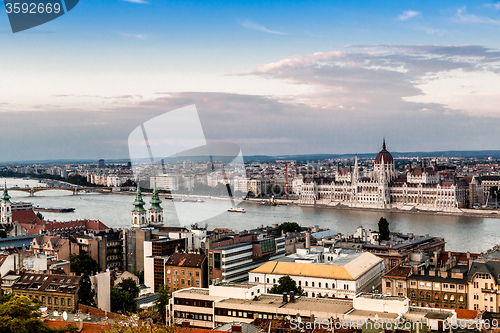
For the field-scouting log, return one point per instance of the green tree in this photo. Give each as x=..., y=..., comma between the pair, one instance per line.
x=20, y=314
x=285, y=285
x=161, y=302
x=40, y=216
x=494, y=192
x=82, y=263
x=289, y=227
x=86, y=295
x=383, y=229
x=3, y=233
x=129, y=285
x=140, y=275
x=129, y=183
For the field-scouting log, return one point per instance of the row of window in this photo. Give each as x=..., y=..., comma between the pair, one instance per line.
x=306, y=283
x=476, y=296
x=191, y=302
x=451, y=298
x=56, y=300
x=184, y=272
x=436, y=285
x=176, y=281
x=194, y=316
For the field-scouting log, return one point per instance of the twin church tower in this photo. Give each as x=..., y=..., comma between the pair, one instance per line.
x=153, y=217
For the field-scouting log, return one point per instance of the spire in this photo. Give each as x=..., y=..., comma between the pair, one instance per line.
x=5, y=196
x=155, y=200
x=383, y=144
x=138, y=203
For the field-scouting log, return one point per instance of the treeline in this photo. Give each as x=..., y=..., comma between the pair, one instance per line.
x=73, y=179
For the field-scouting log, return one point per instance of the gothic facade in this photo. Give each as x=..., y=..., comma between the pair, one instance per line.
x=418, y=188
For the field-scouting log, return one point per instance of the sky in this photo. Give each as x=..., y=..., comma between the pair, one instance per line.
x=295, y=77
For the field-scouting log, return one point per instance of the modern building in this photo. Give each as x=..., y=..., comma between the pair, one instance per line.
x=243, y=303
x=230, y=259
x=322, y=272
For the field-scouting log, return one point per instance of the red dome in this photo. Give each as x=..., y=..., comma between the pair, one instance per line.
x=385, y=155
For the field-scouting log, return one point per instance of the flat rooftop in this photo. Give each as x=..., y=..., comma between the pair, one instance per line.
x=382, y=297
x=372, y=314
x=197, y=291
x=301, y=303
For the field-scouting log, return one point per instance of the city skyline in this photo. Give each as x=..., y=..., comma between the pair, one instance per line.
x=300, y=78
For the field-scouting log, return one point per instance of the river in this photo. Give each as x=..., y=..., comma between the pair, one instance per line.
x=475, y=234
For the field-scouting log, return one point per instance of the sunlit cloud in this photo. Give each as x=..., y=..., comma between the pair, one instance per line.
x=143, y=2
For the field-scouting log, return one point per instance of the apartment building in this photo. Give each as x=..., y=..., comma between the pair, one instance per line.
x=56, y=292
x=185, y=270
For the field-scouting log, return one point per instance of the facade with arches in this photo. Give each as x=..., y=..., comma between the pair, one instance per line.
x=418, y=188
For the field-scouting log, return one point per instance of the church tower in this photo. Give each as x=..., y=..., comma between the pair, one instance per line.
x=156, y=211
x=6, y=207
x=139, y=217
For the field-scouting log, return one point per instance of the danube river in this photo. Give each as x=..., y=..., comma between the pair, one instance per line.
x=475, y=234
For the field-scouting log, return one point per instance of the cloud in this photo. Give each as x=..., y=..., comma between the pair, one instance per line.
x=255, y=26
x=465, y=17
x=408, y=14
x=137, y=1
x=138, y=36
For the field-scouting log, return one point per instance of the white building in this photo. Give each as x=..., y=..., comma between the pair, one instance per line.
x=322, y=272
x=419, y=188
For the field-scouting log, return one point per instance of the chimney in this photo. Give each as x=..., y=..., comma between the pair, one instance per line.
x=285, y=298
x=236, y=328
x=308, y=240
x=292, y=297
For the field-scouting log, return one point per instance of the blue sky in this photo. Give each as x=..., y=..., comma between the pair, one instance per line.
x=275, y=77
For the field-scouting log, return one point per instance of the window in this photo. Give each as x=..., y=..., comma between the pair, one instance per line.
x=198, y=283
x=461, y=299
x=421, y=294
x=175, y=272
x=182, y=281
x=49, y=300
x=267, y=280
x=476, y=296
x=306, y=283
x=388, y=284
x=69, y=301
x=326, y=285
x=256, y=279
x=197, y=274
x=476, y=285
x=43, y=299
x=436, y=285
x=62, y=301
x=346, y=287
x=422, y=284
x=400, y=285
x=56, y=301
x=452, y=286
x=274, y=280
x=428, y=296
x=412, y=294
x=319, y=284
x=300, y=283
x=182, y=272
x=413, y=283
x=189, y=282
x=190, y=273
x=461, y=287
x=452, y=298
x=445, y=297
x=312, y=284
x=436, y=296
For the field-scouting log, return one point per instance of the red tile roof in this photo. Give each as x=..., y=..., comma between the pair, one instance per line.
x=24, y=216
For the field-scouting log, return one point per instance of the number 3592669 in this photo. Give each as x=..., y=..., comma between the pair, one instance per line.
x=32, y=8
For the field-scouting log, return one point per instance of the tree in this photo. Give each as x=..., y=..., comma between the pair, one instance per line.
x=289, y=227
x=86, y=295
x=40, y=216
x=161, y=302
x=383, y=229
x=82, y=263
x=3, y=233
x=494, y=192
x=140, y=275
x=123, y=297
x=20, y=314
x=129, y=183
x=285, y=285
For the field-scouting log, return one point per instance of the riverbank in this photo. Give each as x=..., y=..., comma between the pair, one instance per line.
x=463, y=212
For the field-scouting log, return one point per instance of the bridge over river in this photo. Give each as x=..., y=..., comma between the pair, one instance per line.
x=73, y=189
